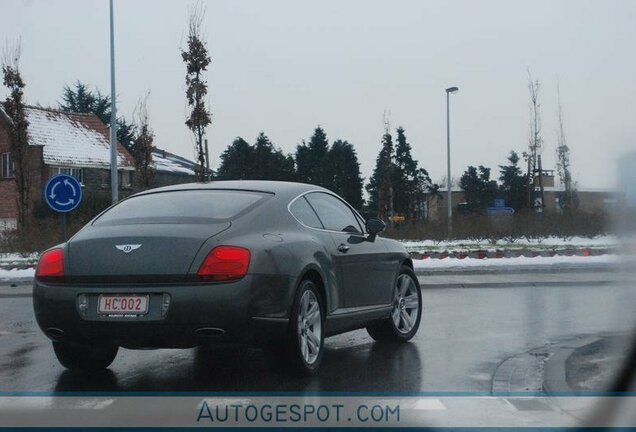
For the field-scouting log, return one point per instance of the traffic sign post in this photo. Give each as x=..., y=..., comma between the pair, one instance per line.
x=63, y=194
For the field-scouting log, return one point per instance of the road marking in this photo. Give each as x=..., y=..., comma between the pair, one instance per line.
x=429, y=405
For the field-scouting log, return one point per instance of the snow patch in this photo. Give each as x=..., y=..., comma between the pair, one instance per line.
x=67, y=141
x=543, y=243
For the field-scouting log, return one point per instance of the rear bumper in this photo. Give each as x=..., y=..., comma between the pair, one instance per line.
x=253, y=310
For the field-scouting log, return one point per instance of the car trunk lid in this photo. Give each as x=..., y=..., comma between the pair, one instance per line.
x=137, y=252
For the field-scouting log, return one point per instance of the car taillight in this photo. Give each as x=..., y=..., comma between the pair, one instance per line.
x=51, y=264
x=225, y=263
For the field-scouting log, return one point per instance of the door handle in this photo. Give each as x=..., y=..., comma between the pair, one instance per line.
x=343, y=247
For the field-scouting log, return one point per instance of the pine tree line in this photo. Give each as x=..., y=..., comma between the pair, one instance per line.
x=334, y=166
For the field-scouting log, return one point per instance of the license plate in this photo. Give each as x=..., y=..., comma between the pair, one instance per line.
x=123, y=304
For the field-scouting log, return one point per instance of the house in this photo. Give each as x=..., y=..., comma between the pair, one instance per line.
x=172, y=169
x=61, y=143
x=78, y=145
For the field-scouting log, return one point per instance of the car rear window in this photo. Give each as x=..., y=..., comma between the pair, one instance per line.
x=185, y=206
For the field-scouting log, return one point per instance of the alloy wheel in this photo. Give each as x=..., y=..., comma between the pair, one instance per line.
x=309, y=327
x=406, y=304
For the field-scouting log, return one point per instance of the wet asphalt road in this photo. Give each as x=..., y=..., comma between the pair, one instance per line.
x=466, y=333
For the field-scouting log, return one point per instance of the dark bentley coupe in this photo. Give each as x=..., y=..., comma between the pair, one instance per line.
x=274, y=264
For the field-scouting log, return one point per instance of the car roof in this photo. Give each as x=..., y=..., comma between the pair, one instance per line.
x=286, y=190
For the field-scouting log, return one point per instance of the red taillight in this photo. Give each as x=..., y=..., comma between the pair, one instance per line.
x=51, y=264
x=225, y=263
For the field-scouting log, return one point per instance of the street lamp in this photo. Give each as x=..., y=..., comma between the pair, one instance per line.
x=114, y=187
x=448, y=158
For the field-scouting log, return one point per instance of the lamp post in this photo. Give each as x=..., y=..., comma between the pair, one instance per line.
x=113, y=114
x=448, y=160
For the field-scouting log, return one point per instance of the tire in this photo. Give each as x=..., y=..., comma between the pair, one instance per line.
x=406, y=314
x=85, y=357
x=305, y=338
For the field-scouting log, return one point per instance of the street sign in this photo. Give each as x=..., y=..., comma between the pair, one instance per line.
x=63, y=193
x=496, y=211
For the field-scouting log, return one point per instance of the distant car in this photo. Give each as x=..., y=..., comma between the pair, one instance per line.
x=275, y=264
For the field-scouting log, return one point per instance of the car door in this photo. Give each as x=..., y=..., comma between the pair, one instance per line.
x=363, y=266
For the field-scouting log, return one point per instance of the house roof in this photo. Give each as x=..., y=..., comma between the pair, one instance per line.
x=171, y=163
x=73, y=139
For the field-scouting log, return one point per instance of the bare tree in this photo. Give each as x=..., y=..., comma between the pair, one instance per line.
x=535, y=145
x=143, y=143
x=197, y=60
x=18, y=125
x=567, y=199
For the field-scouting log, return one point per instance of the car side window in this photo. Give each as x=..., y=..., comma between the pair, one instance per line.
x=304, y=213
x=334, y=214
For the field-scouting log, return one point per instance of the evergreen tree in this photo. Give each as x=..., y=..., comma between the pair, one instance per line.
x=514, y=183
x=270, y=163
x=127, y=134
x=80, y=99
x=262, y=161
x=479, y=190
x=311, y=160
x=380, y=187
x=236, y=161
x=262, y=168
x=346, y=179
x=410, y=183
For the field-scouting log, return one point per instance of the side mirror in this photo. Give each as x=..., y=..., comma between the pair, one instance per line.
x=374, y=227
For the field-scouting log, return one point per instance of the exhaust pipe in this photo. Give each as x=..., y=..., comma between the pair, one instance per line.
x=54, y=333
x=209, y=332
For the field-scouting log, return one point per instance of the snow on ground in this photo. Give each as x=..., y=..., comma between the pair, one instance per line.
x=555, y=261
x=10, y=260
x=16, y=274
x=606, y=241
x=9, y=257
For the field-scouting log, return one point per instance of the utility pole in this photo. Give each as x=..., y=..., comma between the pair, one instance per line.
x=207, y=161
x=114, y=187
x=448, y=161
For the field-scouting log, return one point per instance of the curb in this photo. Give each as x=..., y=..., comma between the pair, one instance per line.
x=540, y=369
x=16, y=295
x=495, y=270
x=517, y=284
x=554, y=380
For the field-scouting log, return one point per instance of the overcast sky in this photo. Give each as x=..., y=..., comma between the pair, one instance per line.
x=283, y=67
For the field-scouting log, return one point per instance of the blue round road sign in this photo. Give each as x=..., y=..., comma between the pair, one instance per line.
x=63, y=193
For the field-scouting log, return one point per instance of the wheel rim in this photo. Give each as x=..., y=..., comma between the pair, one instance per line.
x=406, y=304
x=309, y=327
